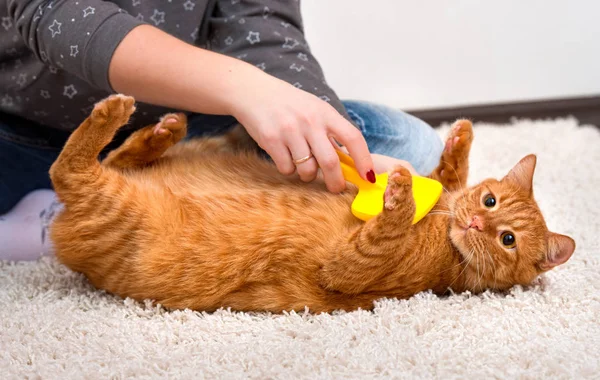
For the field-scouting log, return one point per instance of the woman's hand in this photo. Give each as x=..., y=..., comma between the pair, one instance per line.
x=291, y=124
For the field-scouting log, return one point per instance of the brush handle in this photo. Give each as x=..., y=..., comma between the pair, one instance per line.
x=349, y=170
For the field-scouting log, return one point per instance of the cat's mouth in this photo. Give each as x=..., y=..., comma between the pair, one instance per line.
x=463, y=236
x=462, y=226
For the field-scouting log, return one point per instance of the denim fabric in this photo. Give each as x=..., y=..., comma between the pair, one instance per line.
x=397, y=134
x=28, y=150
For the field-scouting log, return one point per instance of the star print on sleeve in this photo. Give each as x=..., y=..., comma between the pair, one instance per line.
x=195, y=34
x=89, y=11
x=6, y=23
x=253, y=37
x=55, y=28
x=74, y=50
x=22, y=79
x=158, y=17
x=296, y=67
x=189, y=5
x=70, y=91
x=290, y=43
x=7, y=101
x=266, y=12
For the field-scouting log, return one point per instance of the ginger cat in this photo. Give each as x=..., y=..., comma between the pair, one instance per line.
x=203, y=225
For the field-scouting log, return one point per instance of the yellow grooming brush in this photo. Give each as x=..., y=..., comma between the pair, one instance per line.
x=369, y=200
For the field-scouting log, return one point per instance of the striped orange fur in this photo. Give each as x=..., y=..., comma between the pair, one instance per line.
x=204, y=224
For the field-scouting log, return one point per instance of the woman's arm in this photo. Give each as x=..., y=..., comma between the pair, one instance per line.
x=158, y=68
x=287, y=122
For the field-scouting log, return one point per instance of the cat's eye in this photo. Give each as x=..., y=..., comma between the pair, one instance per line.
x=508, y=239
x=489, y=201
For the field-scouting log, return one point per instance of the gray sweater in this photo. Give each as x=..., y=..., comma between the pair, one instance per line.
x=55, y=55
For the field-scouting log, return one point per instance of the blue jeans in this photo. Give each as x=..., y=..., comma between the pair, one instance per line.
x=27, y=150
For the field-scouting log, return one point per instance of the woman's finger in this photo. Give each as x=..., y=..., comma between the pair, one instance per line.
x=354, y=141
x=327, y=159
x=302, y=156
x=282, y=158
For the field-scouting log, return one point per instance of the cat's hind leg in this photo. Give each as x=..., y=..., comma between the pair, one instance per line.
x=453, y=168
x=77, y=170
x=148, y=144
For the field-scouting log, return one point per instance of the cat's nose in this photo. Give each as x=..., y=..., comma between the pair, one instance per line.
x=477, y=223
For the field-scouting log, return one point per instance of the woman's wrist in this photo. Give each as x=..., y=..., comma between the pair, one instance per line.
x=248, y=88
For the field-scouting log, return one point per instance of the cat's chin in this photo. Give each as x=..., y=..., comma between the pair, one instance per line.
x=459, y=236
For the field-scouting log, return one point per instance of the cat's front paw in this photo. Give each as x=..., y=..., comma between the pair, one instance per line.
x=454, y=164
x=460, y=138
x=170, y=130
x=399, y=188
x=115, y=110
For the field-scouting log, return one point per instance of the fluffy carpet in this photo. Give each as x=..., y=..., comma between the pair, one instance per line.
x=54, y=325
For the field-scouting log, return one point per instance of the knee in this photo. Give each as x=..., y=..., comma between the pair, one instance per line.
x=377, y=119
x=395, y=133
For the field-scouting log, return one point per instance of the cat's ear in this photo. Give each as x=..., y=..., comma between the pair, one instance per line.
x=522, y=173
x=560, y=249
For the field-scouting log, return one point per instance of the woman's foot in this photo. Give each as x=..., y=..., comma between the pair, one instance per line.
x=24, y=229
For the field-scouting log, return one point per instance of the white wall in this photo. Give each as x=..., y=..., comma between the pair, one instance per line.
x=425, y=53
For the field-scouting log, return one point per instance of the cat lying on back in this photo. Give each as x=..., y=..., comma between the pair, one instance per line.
x=201, y=225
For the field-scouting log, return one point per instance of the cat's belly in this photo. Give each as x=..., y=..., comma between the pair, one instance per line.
x=208, y=237
x=251, y=191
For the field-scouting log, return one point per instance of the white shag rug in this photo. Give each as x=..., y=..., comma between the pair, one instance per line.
x=54, y=325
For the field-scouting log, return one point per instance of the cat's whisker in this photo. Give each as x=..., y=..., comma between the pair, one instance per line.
x=456, y=173
x=440, y=213
x=461, y=186
x=483, y=260
x=437, y=207
x=477, y=266
x=483, y=270
x=463, y=198
x=468, y=259
x=450, y=194
x=438, y=210
x=459, y=264
x=493, y=267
